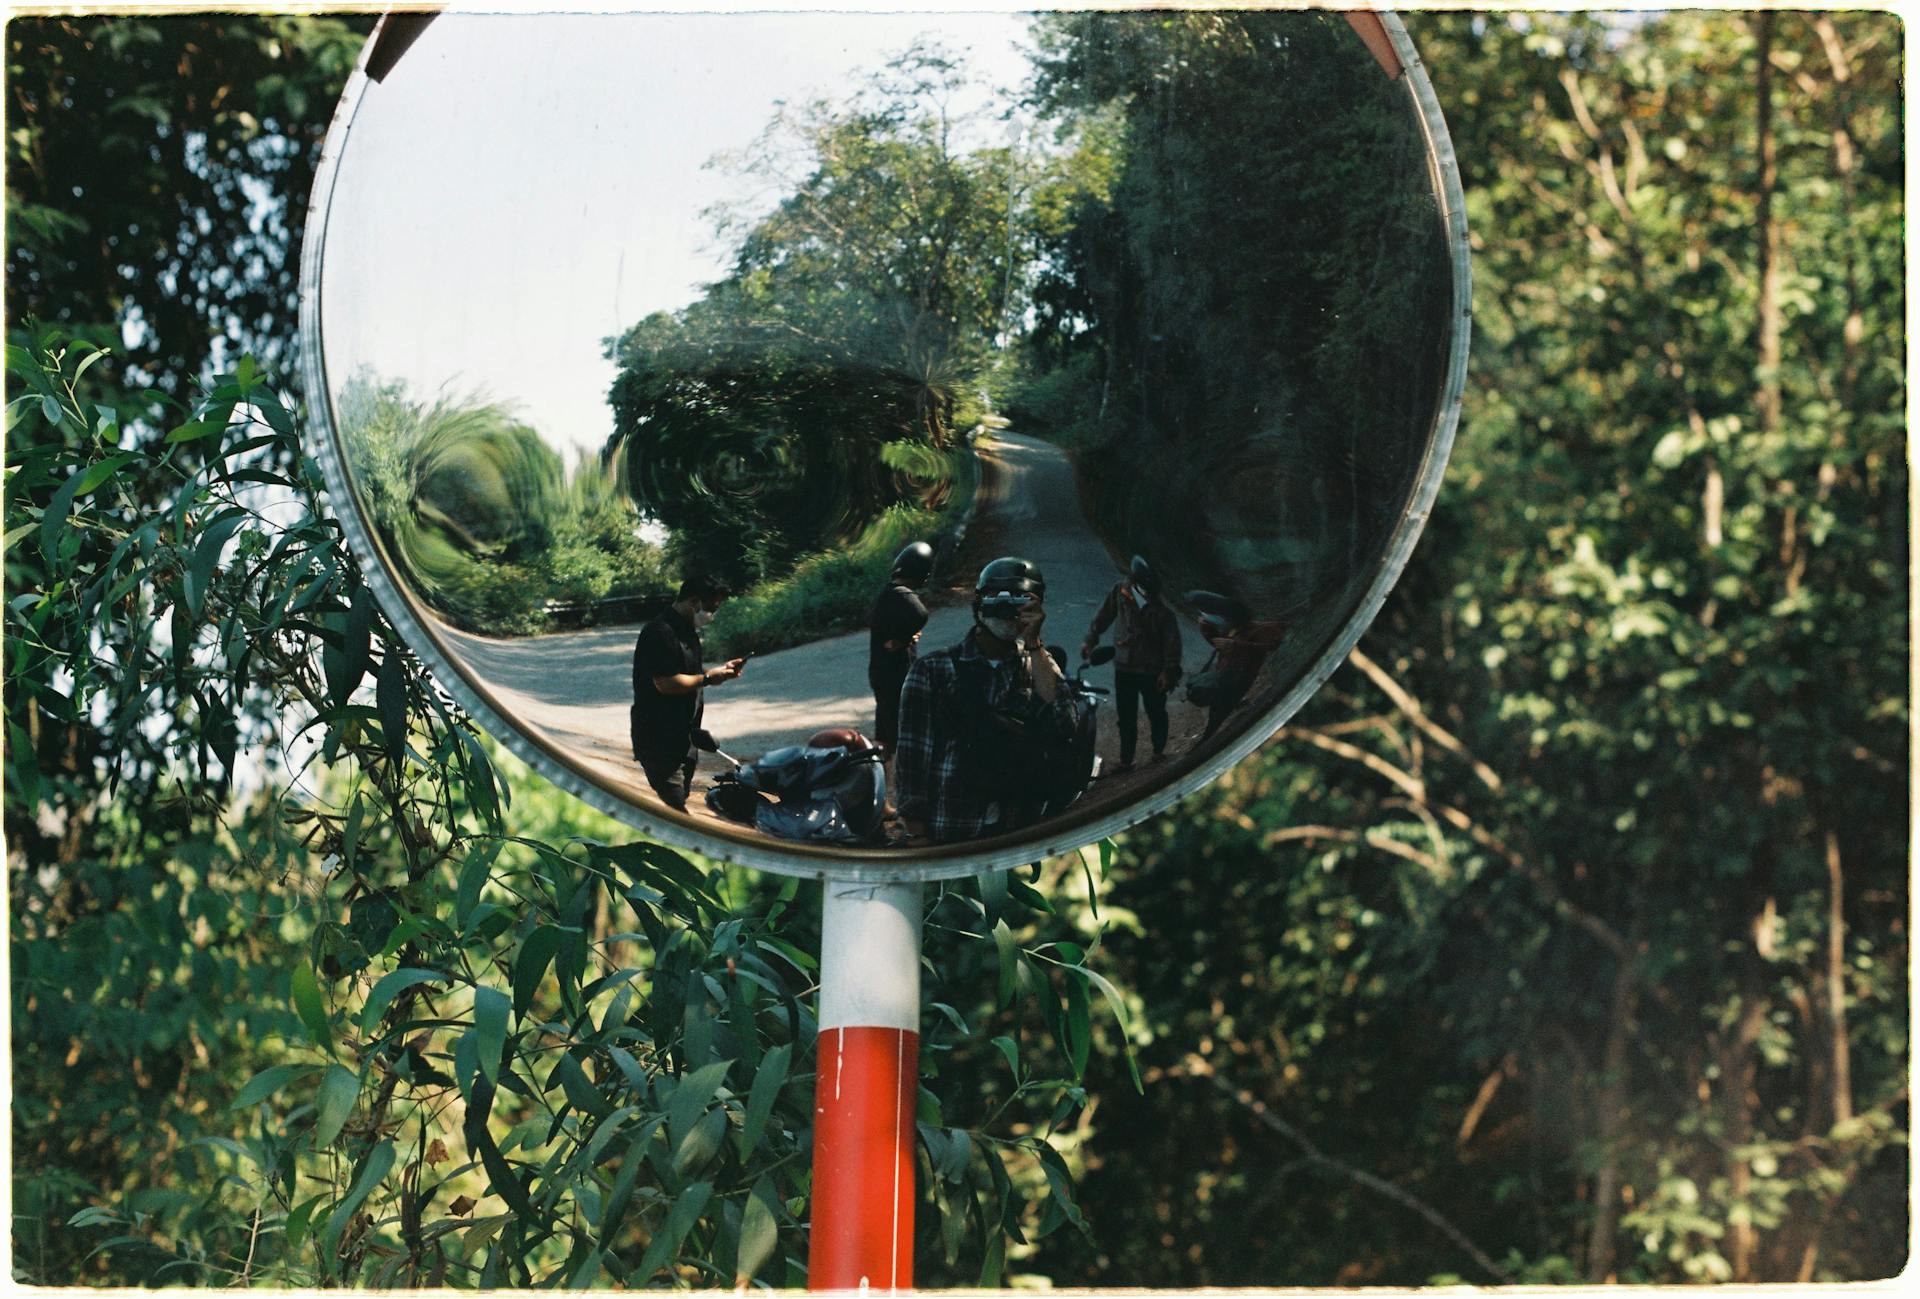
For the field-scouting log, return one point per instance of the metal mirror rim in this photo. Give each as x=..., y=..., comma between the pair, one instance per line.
x=875, y=865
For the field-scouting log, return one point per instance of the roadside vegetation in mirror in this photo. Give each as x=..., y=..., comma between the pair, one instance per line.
x=983, y=320
x=486, y=523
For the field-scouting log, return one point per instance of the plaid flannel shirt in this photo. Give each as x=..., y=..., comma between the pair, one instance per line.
x=928, y=776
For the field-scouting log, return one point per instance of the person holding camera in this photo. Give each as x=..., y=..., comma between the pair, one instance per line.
x=984, y=722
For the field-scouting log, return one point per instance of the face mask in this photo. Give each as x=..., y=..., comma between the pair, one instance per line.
x=701, y=617
x=1139, y=597
x=1004, y=628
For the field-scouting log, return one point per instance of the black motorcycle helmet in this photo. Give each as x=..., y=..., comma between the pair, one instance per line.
x=1006, y=586
x=913, y=565
x=1141, y=574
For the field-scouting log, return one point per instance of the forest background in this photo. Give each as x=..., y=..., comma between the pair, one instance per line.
x=1563, y=936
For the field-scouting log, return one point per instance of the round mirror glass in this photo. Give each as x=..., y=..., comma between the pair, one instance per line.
x=885, y=445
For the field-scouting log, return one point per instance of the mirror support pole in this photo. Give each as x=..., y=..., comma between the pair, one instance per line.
x=867, y=1088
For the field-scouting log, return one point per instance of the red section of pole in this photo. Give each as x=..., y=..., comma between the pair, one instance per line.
x=867, y=1087
x=865, y=1098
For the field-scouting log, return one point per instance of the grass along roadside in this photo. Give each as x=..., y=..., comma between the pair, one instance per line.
x=831, y=592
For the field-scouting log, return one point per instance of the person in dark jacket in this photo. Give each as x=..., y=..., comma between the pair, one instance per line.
x=895, y=625
x=1146, y=656
x=669, y=685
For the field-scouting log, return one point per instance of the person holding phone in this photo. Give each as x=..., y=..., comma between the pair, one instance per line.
x=670, y=681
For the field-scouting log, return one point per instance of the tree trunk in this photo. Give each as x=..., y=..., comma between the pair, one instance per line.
x=1736, y=1098
x=1610, y=1120
x=1737, y=1066
x=1767, y=231
x=1839, y=1057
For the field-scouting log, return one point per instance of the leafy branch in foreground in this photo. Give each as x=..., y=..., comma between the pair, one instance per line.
x=483, y=1050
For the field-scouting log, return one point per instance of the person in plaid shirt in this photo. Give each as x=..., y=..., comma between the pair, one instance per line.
x=1001, y=657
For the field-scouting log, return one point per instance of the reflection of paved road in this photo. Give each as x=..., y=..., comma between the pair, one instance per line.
x=576, y=686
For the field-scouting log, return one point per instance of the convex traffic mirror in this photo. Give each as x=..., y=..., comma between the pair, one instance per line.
x=885, y=445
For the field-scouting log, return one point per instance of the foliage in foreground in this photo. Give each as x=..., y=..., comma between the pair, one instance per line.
x=1564, y=935
x=299, y=999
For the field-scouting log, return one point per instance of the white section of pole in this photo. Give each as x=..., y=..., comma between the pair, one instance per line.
x=870, y=956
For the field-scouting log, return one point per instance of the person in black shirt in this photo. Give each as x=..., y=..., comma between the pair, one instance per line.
x=896, y=622
x=669, y=683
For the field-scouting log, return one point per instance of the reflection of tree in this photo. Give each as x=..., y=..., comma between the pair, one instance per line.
x=1248, y=325
x=479, y=514
x=855, y=318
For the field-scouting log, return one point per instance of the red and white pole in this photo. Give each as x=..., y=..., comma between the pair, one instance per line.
x=868, y=1088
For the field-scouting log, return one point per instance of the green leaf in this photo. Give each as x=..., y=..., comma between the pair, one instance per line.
x=473, y=878
x=490, y=1007
x=580, y=1091
x=194, y=430
x=701, y=1144
x=1093, y=889
x=530, y=966
x=483, y=1231
x=995, y=1261
x=927, y=1109
x=1011, y=1050
x=56, y=515
x=630, y=1070
x=298, y=1220
x=268, y=1081
x=665, y=1246
x=391, y=986
x=50, y=409
x=1119, y=1009
x=1079, y=1021
x=1060, y=1181
x=206, y=556
x=97, y=474
x=759, y=1231
x=350, y=843
x=390, y=698
x=338, y=1092
x=1026, y=893
x=312, y=1011
x=993, y=892
x=587, y=1273
x=87, y=364
x=1009, y=948
x=379, y=1163
x=690, y=1099
x=767, y=1081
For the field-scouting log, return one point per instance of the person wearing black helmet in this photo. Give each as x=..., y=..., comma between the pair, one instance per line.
x=670, y=681
x=970, y=713
x=893, y=630
x=1146, y=656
